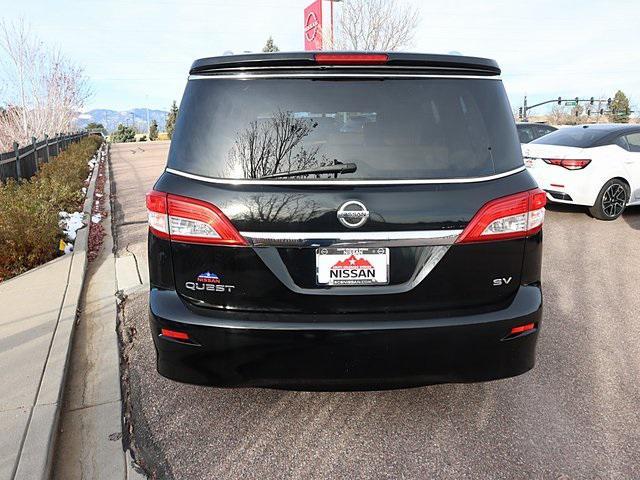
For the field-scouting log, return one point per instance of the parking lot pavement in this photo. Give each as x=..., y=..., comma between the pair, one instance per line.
x=574, y=416
x=134, y=169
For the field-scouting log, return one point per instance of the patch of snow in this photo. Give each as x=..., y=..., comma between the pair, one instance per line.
x=96, y=218
x=70, y=223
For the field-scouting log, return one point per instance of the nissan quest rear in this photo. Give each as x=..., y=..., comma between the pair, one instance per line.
x=338, y=221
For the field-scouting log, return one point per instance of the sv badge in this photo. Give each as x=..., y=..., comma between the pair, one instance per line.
x=498, y=282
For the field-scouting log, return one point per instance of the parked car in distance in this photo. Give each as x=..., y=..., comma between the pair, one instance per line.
x=287, y=250
x=527, y=132
x=593, y=165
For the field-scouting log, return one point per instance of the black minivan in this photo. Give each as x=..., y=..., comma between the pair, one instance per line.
x=340, y=221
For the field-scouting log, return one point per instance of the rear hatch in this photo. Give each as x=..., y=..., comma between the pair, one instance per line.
x=296, y=163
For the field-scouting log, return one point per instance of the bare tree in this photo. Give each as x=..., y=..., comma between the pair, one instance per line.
x=42, y=91
x=282, y=207
x=273, y=146
x=375, y=25
x=557, y=115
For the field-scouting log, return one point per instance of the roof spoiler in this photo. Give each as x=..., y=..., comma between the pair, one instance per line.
x=447, y=64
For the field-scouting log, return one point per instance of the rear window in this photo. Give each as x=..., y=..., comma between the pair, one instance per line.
x=306, y=129
x=573, y=137
x=525, y=133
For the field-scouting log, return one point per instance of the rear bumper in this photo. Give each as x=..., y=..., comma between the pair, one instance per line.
x=338, y=353
x=577, y=186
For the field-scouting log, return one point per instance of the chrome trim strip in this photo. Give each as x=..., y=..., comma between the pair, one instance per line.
x=429, y=258
x=252, y=75
x=368, y=239
x=333, y=183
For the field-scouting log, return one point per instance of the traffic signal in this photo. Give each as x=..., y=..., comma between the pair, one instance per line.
x=559, y=100
x=588, y=112
x=591, y=100
x=577, y=101
x=520, y=112
x=609, y=102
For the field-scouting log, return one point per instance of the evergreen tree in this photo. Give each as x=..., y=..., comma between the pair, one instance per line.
x=171, y=119
x=270, y=46
x=124, y=134
x=153, y=130
x=620, y=108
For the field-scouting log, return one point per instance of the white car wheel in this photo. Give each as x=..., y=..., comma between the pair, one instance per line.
x=611, y=201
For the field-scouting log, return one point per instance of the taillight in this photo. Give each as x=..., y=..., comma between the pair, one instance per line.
x=157, y=214
x=351, y=58
x=568, y=163
x=514, y=216
x=183, y=219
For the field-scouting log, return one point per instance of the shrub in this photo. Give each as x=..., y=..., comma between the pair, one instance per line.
x=29, y=231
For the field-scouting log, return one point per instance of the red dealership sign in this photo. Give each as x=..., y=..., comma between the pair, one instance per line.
x=313, y=26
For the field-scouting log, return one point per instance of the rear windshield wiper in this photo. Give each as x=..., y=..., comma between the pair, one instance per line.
x=336, y=169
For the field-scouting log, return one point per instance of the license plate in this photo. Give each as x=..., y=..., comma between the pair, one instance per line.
x=352, y=266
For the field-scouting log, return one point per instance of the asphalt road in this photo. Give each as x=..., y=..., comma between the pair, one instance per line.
x=576, y=415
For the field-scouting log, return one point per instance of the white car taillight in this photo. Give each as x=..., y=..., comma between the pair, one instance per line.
x=514, y=216
x=568, y=163
x=183, y=219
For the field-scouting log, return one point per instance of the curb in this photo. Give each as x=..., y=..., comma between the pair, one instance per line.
x=35, y=459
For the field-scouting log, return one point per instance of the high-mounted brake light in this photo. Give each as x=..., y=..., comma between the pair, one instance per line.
x=187, y=220
x=568, y=163
x=514, y=216
x=351, y=58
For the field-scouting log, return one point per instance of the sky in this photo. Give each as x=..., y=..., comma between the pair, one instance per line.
x=137, y=53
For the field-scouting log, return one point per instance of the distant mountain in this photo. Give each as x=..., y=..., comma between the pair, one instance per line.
x=111, y=118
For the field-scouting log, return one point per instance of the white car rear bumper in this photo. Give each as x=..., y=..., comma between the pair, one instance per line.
x=568, y=186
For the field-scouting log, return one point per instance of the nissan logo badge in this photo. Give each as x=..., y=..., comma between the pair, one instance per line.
x=353, y=214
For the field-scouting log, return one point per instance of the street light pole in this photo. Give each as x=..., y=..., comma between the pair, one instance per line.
x=148, y=125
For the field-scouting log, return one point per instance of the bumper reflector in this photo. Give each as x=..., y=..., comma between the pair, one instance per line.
x=165, y=332
x=522, y=328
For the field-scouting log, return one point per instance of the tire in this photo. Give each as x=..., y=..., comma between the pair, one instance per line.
x=611, y=201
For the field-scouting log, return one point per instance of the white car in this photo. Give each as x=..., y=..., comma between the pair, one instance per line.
x=593, y=165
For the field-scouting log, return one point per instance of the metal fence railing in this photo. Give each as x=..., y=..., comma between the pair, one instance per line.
x=23, y=162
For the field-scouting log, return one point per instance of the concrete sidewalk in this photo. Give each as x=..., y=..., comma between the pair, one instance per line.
x=37, y=319
x=38, y=315
x=32, y=308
